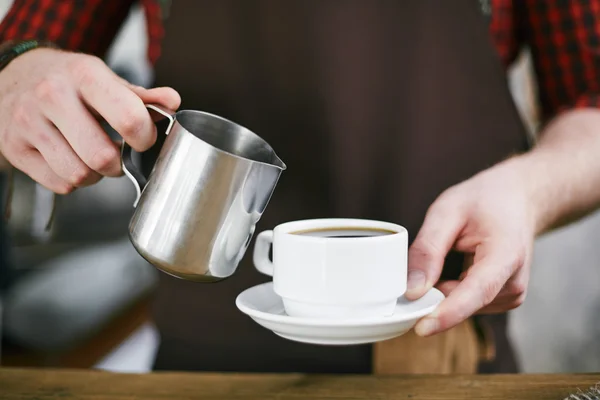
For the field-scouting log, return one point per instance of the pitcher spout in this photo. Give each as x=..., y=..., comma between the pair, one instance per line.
x=278, y=162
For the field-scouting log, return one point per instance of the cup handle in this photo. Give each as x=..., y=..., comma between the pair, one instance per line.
x=135, y=176
x=261, y=253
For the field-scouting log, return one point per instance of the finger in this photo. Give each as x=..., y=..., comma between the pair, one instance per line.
x=447, y=287
x=59, y=155
x=84, y=134
x=499, y=307
x=510, y=296
x=502, y=302
x=443, y=223
x=125, y=112
x=515, y=288
x=166, y=97
x=479, y=288
x=35, y=166
x=156, y=96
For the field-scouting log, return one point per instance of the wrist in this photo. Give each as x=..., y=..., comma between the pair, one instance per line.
x=550, y=189
x=11, y=50
x=531, y=180
x=562, y=170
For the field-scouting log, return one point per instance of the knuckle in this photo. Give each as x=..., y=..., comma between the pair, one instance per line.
x=438, y=207
x=517, y=288
x=448, y=196
x=50, y=89
x=22, y=115
x=10, y=135
x=79, y=176
x=64, y=189
x=84, y=68
x=450, y=201
x=16, y=155
x=131, y=125
x=518, y=260
x=489, y=291
x=44, y=137
x=424, y=247
x=13, y=157
x=52, y=182
x=518, y=302
x=443, y=208
x=449, y=321
x=104, y=159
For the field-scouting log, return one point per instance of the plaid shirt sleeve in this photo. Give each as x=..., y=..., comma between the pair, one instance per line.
x=563, y=35
x=87, y=26
x=564, y=38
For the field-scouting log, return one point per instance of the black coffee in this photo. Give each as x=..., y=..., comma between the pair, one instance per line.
x=345, y=232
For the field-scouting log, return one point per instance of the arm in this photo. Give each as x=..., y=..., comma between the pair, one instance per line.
x=51, y=100
x=86, y=26
x=563, y=170
x=495, y=216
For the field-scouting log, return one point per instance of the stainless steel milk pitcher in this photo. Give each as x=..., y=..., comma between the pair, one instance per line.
x=196, y=213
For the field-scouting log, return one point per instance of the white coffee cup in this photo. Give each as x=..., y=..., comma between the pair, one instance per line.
x=319, y=276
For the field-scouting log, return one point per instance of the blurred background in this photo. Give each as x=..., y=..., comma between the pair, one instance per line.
x=81, y=300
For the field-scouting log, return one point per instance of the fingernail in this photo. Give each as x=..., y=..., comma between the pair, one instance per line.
x=416, y=280
x=427, y=326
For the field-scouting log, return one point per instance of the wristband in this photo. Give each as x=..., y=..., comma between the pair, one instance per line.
x=11, y=50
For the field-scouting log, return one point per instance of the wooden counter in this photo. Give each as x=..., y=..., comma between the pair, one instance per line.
x=38, y=384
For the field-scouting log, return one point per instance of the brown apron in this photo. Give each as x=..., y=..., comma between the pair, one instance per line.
x=376, y=107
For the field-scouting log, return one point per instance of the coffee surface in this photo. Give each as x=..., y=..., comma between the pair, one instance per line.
x=345, y=232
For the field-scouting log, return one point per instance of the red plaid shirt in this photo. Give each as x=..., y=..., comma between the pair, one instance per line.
x=563, y=35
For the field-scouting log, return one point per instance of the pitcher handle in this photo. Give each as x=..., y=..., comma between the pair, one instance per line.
x=135, y=176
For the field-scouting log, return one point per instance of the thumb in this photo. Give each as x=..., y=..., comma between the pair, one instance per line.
x=443, y=222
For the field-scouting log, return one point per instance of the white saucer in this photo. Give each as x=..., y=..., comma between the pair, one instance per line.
x=266, y=308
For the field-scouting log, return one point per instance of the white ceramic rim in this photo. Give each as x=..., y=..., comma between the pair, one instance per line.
x=289, y=228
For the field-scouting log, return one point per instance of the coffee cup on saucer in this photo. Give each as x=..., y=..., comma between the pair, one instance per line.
x=335, y=268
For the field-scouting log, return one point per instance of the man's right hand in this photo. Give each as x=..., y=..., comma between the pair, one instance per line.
x=50, y=105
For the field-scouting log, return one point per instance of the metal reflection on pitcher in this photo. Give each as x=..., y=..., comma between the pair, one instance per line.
x=196, y=213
